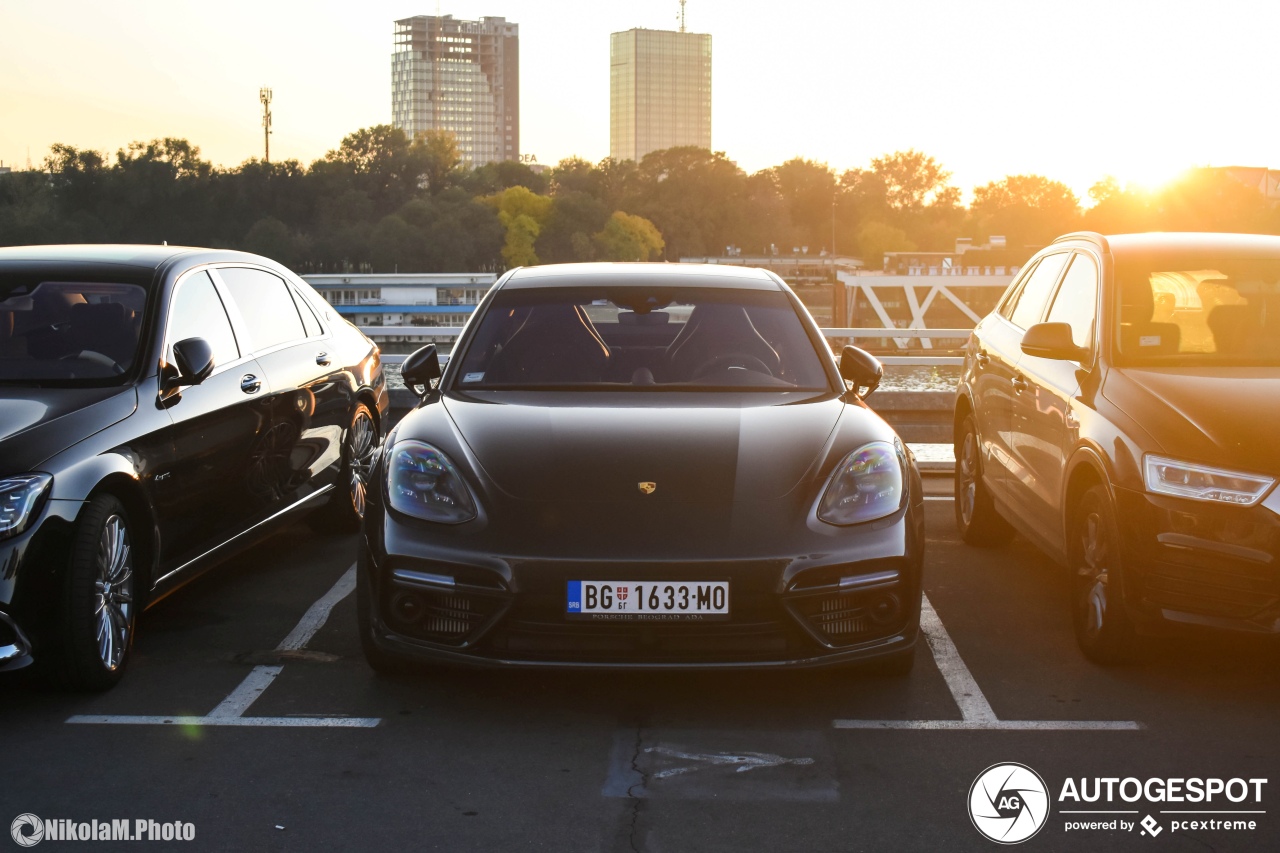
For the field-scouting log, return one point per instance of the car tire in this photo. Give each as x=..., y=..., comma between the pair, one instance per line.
x=98, y=611
x=381, y=662
x=976, y=517
x=1103, y=628
x=345, y=510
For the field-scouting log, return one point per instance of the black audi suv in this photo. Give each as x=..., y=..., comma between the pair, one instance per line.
x=637, y=465
x=1118, y=408
x=160, y=408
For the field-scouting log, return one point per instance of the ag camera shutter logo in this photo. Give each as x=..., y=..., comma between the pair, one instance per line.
x=27, y=830
x=1008, y=803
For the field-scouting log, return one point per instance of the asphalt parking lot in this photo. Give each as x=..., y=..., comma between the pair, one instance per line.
x=250, y=714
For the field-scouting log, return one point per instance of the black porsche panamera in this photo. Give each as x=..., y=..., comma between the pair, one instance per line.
x=640, y=465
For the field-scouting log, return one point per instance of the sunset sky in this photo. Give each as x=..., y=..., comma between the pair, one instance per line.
x=1135, y=89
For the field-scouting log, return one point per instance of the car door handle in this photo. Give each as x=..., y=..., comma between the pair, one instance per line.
x=322, y=359
x=1019, y=384
x=250, y=384
x=982, y=358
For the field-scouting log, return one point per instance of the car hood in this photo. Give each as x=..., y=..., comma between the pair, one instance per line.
x=589, y=450
x=1222, y=416
x=37, y=423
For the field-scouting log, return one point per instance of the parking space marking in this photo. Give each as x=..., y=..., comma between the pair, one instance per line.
x=230, y=711
x=249, y=690
x=939, y=497
x=976, y=713
x=711, y=764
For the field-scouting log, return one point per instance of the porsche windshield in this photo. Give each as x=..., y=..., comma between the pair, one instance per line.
x=1200, y=309
x=67, y=332
x=641, y=338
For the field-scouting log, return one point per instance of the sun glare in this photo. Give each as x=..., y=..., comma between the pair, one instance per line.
x=1151, y=175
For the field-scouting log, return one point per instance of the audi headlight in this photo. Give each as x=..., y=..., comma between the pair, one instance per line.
x=867, y=484
x=19, y=497
x=1201, y=483
x=422, y=482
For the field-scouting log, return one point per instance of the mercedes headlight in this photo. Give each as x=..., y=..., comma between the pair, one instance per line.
x=19, y=497
x=1166, y=476
x=868, y=484
x=422, y=482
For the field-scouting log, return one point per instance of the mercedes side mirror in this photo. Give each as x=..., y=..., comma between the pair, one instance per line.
x=1052, y=340
x=861, y=368
x=421, y=368
x=194, y=358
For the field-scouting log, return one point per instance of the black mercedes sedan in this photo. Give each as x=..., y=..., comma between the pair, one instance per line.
x=160, y=408
x=642, y=465
x=1119, y=409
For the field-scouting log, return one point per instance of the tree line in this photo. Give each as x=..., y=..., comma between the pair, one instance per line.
x=381, y=202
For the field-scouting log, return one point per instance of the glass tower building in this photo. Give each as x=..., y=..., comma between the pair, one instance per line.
x=459, y=76
x=659, y=91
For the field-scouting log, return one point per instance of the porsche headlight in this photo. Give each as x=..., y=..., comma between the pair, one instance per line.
x=867, y=484
x=422, y=482
x=1166, y=476
x=19, y=497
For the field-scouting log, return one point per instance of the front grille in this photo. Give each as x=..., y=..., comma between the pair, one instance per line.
x=626, y=643
x=843, y=618
x=1232, y=589
x=757, y=630
x=452, y=618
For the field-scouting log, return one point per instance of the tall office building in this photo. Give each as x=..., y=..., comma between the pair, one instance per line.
x=659, y=91
x=459, y=76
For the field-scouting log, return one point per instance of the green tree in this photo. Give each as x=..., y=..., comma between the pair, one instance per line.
x=629, y=238
x=434, y=156
x=271, y=238
x=876, y=238
x=807, y=189
x=566, y=236
x=522, y=213
x=1027, y=209
x=911, y=179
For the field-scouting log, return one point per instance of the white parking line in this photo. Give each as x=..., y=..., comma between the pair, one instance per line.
x=249, y=690
x=976, y=713
x=230, y=711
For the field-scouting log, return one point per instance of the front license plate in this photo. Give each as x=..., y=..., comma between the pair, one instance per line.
x=639, y=601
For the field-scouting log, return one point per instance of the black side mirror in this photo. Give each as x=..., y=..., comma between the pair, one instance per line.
x=1052, y=340
x=194, y=358
x=861, y=368
x=421, y=368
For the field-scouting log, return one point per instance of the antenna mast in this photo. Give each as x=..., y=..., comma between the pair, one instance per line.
x=264, y=95
x=682, y=2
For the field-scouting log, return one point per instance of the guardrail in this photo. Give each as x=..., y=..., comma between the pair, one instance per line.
x=920, y=417
x=858, y=333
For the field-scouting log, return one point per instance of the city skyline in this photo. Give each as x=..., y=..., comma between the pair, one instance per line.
x=817, y=80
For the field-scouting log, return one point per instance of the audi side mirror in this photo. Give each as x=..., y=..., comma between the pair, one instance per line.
x=421, y=368
x=861, y=368
x=1052, y=340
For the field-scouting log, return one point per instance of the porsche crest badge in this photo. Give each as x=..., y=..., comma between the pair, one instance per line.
x=647, y=488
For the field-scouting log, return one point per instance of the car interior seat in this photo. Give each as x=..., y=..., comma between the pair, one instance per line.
x=713, y=331
x=1139, y=336
x=556, y=343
